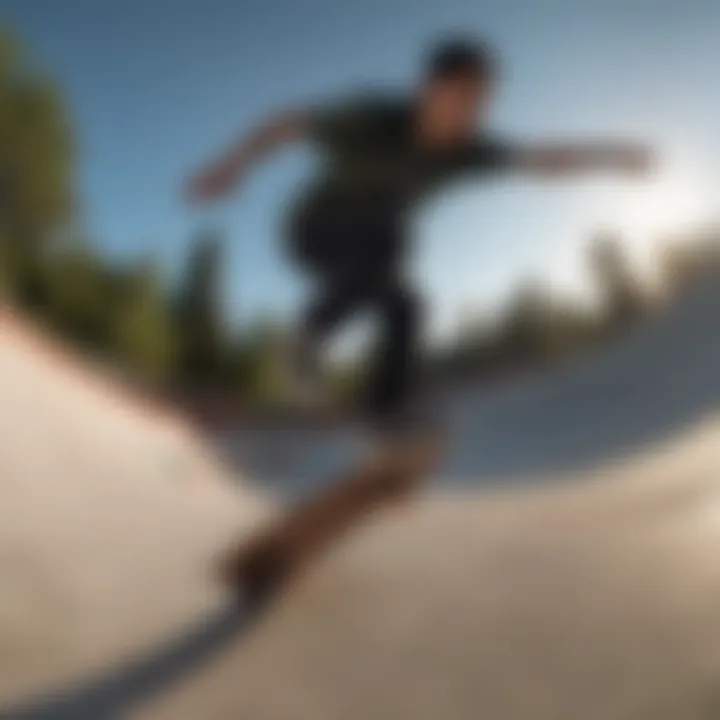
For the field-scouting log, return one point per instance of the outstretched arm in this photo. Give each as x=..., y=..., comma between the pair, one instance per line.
x=219, y=177
x=572, y=158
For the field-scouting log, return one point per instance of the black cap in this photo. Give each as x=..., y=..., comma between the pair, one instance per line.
x=460, y=57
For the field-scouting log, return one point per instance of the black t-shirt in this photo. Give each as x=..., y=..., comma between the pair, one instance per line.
x=370, y=153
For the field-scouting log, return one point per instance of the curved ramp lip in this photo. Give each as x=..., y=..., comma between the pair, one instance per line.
x=53, y=351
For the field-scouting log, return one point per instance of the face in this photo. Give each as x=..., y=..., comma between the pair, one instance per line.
x=452, y=109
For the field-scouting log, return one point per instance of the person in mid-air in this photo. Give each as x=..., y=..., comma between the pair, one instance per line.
x=383, y=154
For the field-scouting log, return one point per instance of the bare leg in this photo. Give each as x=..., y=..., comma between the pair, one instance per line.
x=266, y=564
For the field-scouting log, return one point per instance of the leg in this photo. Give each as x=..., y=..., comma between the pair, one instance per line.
x=346, y=287
x=265, y=565
x=339, y=298
x=394, y=375
x=335, y=303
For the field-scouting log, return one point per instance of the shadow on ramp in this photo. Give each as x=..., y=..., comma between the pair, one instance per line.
x=115, y=694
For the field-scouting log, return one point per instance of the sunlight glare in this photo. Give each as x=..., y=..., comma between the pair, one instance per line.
x=668, y=205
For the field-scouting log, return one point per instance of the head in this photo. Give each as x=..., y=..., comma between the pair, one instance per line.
x=456, y=90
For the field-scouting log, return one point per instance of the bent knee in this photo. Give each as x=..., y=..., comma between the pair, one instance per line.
x=404, y=307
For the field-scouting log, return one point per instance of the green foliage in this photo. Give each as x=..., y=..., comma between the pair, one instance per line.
x=143, y=336
x=523, y=335
x=201, y=339
x=346, y=379
x=79, y=298
x=7, y=273
x=254, y=364
x=36, y=169
x=36, y=157
x=621, y=293
x=687, y=259
x=569, y=330
x=535, y=328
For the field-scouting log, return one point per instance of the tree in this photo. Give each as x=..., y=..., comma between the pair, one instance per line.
x=621, y=294
x=78, y=294
x=254, y=367
x=143, y=338
x=569, y=328
x=6, y=271
x=688, y=258
x=199, y=319
x=524, y=329
x=36, y=165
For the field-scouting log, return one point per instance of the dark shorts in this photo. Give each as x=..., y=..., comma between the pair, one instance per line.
x=354, y=251
x=337, y=236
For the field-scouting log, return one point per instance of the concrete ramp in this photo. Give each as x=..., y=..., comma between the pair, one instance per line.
x=628, y=398
x=597, y=601
x=110, y=512
x=597, y=597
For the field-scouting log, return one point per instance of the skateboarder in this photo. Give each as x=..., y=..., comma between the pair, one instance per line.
x=382, y=155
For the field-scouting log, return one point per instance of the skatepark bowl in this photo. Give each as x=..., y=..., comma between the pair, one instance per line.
x=562, y=563
x=627, y=398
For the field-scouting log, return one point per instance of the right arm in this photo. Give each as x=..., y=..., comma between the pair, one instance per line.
x=559, y=159
x=562, y=159
x=220, y=176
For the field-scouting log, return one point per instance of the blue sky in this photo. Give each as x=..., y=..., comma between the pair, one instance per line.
x=155, y=86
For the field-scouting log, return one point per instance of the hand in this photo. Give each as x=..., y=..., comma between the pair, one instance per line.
x=213, y=182
x=636, y=160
